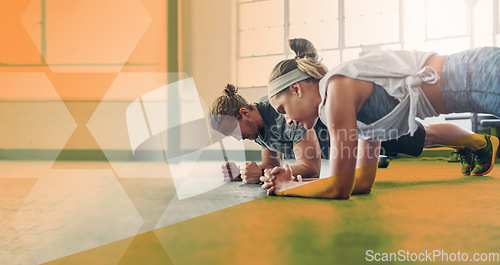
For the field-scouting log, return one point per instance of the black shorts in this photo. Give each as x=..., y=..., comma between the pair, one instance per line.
x=406, y=144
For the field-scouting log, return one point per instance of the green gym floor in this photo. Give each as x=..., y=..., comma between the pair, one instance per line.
x=415, y=206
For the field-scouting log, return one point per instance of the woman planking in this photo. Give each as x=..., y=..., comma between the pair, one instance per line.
x=406, y=84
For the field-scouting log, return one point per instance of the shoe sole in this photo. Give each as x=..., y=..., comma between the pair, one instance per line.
x=494, y=143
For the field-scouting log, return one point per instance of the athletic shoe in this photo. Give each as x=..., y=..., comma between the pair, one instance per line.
x=466, y=158
x=383, y=161
x=485, y=158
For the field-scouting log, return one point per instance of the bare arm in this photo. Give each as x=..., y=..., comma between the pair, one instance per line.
x=367, y=163
x=341, y=108
x=341, y=104
x=270, y=159
x=308, y=156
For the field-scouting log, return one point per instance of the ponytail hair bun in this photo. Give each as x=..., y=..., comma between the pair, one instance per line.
x=306, y=60
x=228, y=104
x=303, y=49
x=230, y=90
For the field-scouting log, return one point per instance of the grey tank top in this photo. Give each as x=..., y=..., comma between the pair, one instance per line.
x=379, y=104
x=400, y=74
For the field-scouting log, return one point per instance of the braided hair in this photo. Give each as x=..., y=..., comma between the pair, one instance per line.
x=228, y=104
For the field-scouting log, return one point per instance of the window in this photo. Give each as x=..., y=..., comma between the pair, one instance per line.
x=342, y=29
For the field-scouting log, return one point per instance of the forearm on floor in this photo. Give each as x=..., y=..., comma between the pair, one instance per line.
x=330, y=187
x=264, y=165
x=326, y=188
x=305, y=171
x=364, y=178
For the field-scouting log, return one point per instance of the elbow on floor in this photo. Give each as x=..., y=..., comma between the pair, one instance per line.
x=342, y=194
x=365, y=190
x=314, y=173
x=311, y=172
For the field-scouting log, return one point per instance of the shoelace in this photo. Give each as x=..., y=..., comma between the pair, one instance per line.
x=481, y=156
x=463, y=156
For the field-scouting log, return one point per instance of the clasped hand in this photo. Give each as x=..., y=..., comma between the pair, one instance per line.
x=277, y=180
